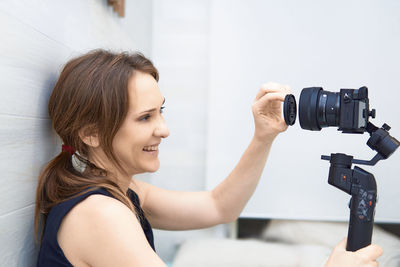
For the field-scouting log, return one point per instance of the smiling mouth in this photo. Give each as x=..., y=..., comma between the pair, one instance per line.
x=150, y=148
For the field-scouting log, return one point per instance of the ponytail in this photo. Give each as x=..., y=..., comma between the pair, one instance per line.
x=45, y=193
x=60, y=181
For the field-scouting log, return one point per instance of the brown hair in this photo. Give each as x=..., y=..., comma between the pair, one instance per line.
x=91, y=93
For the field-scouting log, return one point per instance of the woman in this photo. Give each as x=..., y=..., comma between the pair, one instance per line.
x=107, y=109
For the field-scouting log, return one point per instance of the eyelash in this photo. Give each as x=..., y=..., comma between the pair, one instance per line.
x=147, y=116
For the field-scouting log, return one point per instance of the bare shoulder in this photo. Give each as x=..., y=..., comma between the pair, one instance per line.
x=97, y=206
x=102, y=231
x=97, y=210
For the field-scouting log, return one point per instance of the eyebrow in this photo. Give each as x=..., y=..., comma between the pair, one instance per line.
x=151, y=110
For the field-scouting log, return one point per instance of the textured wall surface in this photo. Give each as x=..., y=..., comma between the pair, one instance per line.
x=37, y=38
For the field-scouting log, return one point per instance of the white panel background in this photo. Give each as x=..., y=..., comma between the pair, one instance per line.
x=333, y=44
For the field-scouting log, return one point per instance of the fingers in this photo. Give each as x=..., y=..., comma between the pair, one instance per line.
x=371, y=252
x=365, y=257
x=272, y=87
x=272, y=97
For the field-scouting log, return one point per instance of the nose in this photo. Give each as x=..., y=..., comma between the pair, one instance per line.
x=161, y=129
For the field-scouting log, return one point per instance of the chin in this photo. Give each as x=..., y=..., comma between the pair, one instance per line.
x=153, y=167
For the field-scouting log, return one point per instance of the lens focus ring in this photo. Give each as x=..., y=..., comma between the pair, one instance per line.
x=308, y=108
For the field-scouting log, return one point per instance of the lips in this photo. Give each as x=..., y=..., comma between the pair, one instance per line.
x=151, y=148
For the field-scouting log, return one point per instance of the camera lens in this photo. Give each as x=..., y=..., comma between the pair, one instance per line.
x=318, y=108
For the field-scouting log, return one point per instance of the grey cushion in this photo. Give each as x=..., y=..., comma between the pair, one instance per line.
x=284, y=243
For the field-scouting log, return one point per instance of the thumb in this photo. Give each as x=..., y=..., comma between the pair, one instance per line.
x=371, y=252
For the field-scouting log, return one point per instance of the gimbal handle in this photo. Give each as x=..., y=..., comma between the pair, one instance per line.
x=362, y=209
x=361, y=185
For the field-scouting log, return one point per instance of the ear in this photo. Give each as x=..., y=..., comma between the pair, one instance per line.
x=89, y=136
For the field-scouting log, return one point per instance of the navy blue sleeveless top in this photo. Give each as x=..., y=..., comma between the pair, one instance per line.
x=51, y=254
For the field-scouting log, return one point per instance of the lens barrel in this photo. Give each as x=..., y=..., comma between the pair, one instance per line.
x=308, y=108
x=318, y=108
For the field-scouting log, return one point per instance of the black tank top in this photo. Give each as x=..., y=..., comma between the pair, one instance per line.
x=51, y=254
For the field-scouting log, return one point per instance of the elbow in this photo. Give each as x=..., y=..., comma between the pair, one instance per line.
x=229, y=218
x=224, y=213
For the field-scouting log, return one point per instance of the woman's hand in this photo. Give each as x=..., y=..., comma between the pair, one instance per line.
x=267, y=111
x=365, y=257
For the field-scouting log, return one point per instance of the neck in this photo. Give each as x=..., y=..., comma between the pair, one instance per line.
x=123, y=181
x=121, y=178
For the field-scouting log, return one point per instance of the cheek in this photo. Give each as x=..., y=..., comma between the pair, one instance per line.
x=132, y=137
x=122, y=142
x=129, y=142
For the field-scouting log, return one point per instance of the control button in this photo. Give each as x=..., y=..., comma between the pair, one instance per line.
x=386, y=127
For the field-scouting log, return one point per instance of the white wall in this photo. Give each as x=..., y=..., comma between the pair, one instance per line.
x=333, y=44
x=37, y=38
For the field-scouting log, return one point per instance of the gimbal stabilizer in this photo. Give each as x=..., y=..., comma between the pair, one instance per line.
x=349, y=110
x=360, y=184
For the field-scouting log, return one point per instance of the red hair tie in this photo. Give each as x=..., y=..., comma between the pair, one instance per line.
x=68, y=149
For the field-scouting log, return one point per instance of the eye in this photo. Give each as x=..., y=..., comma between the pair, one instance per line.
x=145, y=117
x=162, y=109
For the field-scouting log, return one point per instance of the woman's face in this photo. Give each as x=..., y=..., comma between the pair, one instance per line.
x=136, y=142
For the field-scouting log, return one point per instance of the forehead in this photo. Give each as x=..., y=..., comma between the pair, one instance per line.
x=144, y=93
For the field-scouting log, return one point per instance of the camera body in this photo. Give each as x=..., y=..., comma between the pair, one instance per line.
x=348, y=109
x=354, y=110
